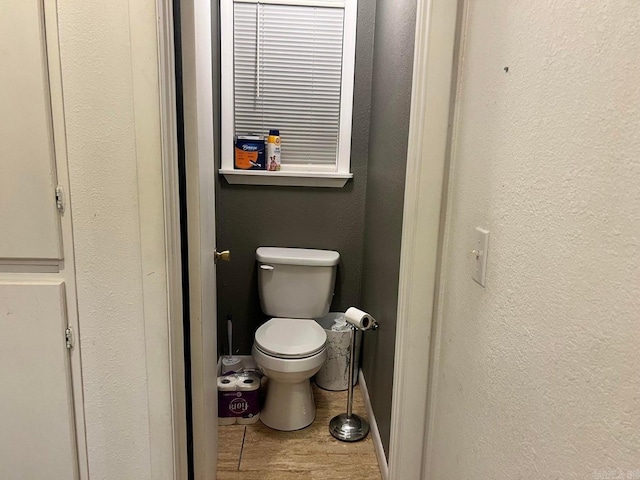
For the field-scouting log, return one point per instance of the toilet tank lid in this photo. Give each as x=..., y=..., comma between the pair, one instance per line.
x=297, y=256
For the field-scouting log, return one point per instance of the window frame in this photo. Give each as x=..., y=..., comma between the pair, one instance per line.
x=293, y=175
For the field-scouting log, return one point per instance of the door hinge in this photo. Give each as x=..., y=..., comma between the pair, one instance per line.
x=68, y=336
x=60, y=199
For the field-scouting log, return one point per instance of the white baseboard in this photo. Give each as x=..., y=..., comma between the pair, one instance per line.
x=375, y=433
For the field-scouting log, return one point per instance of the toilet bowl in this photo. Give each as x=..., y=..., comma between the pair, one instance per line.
x=289, y=352
x=295, y=285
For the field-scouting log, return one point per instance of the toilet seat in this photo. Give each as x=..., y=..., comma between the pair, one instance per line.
x=290, y=338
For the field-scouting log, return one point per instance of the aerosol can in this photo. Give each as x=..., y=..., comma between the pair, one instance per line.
x=273, y=151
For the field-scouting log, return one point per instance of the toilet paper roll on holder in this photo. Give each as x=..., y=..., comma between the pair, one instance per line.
x=349, y=427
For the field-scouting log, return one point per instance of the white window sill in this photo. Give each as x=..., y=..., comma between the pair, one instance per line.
x=286, y=178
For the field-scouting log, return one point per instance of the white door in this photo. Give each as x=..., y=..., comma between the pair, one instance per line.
x=29, y=223
x=37, y=439
x=196, y=28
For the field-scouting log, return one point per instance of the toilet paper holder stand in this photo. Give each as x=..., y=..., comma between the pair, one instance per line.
x=349, y=427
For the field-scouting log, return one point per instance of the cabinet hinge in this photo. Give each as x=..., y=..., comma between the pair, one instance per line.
x=60, y=199
x=68, y=336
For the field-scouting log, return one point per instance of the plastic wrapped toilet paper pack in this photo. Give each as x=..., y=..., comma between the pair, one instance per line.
x=238, y=399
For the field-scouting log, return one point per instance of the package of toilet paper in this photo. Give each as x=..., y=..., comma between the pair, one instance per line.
x=238, y=399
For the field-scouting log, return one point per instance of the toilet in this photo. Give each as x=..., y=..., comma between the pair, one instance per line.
x=296, y=286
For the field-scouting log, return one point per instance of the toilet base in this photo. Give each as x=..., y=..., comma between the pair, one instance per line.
x=288, y=406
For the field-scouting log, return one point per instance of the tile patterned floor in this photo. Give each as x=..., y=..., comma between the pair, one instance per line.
x=255, y=452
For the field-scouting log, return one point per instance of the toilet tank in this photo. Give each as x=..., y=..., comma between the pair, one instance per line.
x=296, y=282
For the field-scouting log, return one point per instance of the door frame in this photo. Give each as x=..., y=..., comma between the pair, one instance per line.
x=173, y=244
x=196, y=22
x=429, y=139
x=195, y=38
x=67, y=267
x=197, y=95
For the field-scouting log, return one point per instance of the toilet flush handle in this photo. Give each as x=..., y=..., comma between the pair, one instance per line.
x=267, y=267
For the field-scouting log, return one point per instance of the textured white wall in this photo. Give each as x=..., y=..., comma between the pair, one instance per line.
x=539, y=373
x=110, y=79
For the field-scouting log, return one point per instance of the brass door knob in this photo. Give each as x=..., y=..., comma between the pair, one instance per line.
x=224, y=255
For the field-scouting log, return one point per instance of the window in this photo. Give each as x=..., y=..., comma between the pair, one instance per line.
x=289, y=65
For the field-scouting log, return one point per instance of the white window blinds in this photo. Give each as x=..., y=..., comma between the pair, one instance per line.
x=287, y=76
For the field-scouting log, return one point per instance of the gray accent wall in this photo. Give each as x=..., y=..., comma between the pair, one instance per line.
x=366, y=233
x=388, y=135
x=249, y=216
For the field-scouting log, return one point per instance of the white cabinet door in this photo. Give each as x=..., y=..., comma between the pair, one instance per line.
x=29, y=223
x=37, y=434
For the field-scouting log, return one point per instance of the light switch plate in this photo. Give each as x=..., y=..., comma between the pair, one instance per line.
x=480, y=250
